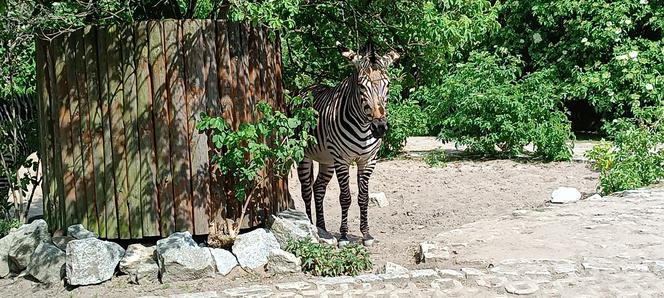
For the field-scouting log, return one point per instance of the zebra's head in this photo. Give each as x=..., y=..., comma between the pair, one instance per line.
x=373, y=83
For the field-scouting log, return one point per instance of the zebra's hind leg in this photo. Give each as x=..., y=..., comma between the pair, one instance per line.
x=325, y=172
x=305, y=171
x=364, y=172
x=344, y=200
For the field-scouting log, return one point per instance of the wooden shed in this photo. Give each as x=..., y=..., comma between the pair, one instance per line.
x=118, y=107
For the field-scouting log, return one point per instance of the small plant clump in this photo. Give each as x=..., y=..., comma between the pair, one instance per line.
x=324, y=260
x=436, y=158
x=8, y=224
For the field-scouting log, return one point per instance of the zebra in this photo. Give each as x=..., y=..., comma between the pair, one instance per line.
x=352, y=119
x=15, y=113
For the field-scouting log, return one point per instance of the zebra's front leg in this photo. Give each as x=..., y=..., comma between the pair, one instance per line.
x=325, y=172
x=364, y=172
x=344, y=200
x=304, y=173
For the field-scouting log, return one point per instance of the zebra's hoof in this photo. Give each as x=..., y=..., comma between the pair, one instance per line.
x=343, y=241
x=368, y=241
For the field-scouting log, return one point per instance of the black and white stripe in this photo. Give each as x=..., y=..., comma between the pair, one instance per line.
x=352, y=119
x=15, y=112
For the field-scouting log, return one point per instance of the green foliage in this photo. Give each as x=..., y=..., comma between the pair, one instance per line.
x=436, y=158
x=635, y=158
x=405, y=119
x=324, y=260
x=275, y=140
x=609, y=54
x=8, y=224
x=484, y=105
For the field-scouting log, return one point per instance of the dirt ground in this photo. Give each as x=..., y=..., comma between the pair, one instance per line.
x=423, y=202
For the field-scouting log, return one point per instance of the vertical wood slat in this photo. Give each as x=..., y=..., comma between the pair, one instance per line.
x=148, y=162
x=116, y=102
x=178, y=125
x=160, y=110
x=96, y=127
x=129, y=117
x=196, y=73
x=223, y=106
x=42, y=99
x=55, y=181
x=87, y=132
x=61, y=104
x=104, y=39
x=85, y=196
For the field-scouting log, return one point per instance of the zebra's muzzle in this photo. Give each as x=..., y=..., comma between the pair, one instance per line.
x=378, y=128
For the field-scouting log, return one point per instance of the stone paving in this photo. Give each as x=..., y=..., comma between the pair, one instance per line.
x=602, y=247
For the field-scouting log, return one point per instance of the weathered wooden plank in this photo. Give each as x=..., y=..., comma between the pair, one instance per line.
x=77, y=76
x=104, y=39
x=63, y=98
x=197, y=71
x=161, y=125
x=116, y=102
x=237, y=93
x=96, y=128
x=148, y=161
x=56, y=184
x=130, y=119
x=221, y=107
x=86, y=132
x=43, y=97
x=178, y=125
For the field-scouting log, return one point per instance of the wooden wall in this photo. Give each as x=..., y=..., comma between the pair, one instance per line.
x=118, y=109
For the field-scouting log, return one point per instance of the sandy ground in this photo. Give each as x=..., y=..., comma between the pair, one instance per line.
x=423, y=202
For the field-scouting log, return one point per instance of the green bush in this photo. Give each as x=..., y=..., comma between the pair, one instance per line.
x=435, y=158
x=633, y=159
x=8, y=224
x=325, y=260
x=485, y=105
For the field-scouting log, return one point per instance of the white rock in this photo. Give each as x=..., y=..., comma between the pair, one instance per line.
x=208, y=294
x=140, y=264
x=378, y=199
x=423, y=273
x=280, y=261
x=521, y=288
x=24, y=242
x=92, y=261
x=253, y=248
x=564, y=195
x=430, y=252
x=391, y=268
x=5, y=244
x=292, y=224
x=449, y=273
x=47, y=264
x=224, y=260
x=78, y=231
x=179, y=258
x=472, y=272
x=594, y=197
x=61, y=241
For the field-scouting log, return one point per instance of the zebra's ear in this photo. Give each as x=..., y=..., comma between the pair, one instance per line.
x=390, y=58
x=348, y=53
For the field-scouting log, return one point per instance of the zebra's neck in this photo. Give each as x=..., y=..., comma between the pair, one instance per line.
x=350, y=103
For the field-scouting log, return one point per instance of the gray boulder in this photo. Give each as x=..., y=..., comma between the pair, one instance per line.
x=92, y=261
x=280, y=261
x=47, y=264
x=292, y=224
x=5, y=244
x=24, y=242
x=253, y=248
x=140, y=263
x=392, y=268
x=179, y=258
x=224, y=260
x=61, y=241
x=78, y=231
